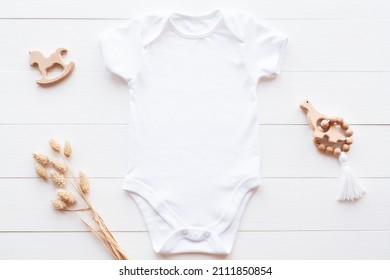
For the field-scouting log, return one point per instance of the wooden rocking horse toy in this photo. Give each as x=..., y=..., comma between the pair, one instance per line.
x=46, y=63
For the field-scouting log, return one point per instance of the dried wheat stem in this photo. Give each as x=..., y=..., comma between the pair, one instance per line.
x=55, y=145
x=41, y=158
x=58, y=178
x=73, y=182
x=59, y=166
x=84, y=182
x=66, y=196
x=82, y=187
x=58, y=204
x=105, y=235
x=67, y=149
x=98, y=237
x=41, y=171
x=71, y=174
x=77, y=210
x=112, y=243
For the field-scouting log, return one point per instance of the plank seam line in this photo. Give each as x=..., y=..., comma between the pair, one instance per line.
x=263, y=177
x=136, y=15
x=284, y=71
x=145, y=231
x=125, y=124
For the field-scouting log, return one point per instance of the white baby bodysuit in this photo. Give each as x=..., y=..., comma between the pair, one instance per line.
x=194, y=132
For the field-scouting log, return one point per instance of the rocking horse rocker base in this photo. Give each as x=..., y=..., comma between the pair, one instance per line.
x=64, y=74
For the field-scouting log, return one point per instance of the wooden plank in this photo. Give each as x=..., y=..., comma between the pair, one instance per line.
x=99, y=98
x=315, y=45
x=303, y=9
x=297, y=156
x=359, y=97
x=252, y=245
x=102, y=150
x=280, y=204
x=86, y=97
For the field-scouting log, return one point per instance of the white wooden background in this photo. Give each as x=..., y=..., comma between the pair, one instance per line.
x=338, y=56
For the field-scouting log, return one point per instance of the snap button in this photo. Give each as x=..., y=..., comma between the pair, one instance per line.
x=195, y=234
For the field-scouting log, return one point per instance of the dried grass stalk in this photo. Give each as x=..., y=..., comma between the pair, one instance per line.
x=55, y=145
x=41, y=171
x=84, y=182
x=67, y=149
x=59, y=166
x=66, y=196
x=42, y=159
x=58, y=204
x=58, y=178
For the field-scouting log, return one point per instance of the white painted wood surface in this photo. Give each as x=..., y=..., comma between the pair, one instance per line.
x=338, y=56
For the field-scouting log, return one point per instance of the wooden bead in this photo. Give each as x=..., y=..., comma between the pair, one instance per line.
x=333, y=136
x=340, y=120
x=317, y=140
x=345, y=147
x=325, y=124
x=337, y=151
x=345, y=126
x=329, y=150
x=321, y=147
x=349, y=132
x=348, y=140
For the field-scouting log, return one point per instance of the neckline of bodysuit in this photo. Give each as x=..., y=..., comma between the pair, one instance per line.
x=217, y=15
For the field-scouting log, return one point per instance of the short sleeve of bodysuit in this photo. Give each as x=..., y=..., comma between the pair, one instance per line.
x=263, y=49
x=122, y=49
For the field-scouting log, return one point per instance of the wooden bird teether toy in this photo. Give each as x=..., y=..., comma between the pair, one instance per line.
x=46, y=63
x=332, y=135
x=327, y=136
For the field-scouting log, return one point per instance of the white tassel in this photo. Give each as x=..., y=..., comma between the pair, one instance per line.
x=349, y=188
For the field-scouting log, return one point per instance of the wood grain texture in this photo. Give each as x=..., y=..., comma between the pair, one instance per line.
x=101, y=98
x=251, y=245
x=320, y=45
x=280, y=204
x=281, y=9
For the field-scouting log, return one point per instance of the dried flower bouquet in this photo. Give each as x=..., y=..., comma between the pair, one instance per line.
x=62, y=176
